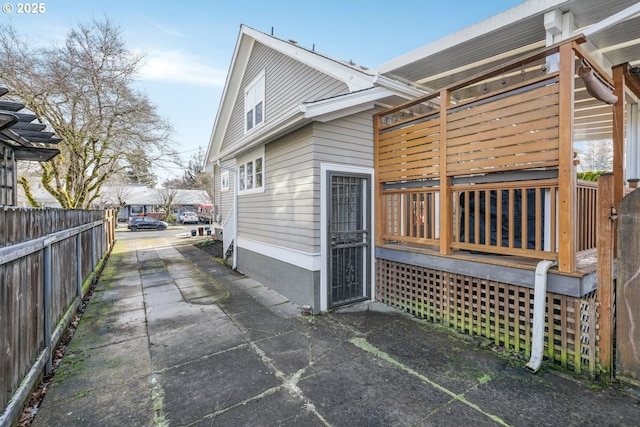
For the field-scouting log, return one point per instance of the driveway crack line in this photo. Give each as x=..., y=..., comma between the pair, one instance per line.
x=363, y=344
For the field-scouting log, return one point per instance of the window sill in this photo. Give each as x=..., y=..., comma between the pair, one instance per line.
x=252, y=191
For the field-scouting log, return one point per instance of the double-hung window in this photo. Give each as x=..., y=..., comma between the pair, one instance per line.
x=251, y=172
x=224, y=181
x=254, y=103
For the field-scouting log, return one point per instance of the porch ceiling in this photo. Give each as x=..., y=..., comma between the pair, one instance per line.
x=514, y=33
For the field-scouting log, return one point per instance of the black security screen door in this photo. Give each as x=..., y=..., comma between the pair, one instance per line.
x=349, y=238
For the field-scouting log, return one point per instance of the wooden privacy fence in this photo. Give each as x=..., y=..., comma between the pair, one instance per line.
x=466, y=161
x=627, y=290
x=47, y=257
x=488, y=165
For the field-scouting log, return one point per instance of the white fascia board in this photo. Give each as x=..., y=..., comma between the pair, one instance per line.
x=340, y=106
x=230, y=92
x=316, y=109
x=515, y=14
x=354, y=79
x=399, y=88
x=334, y=115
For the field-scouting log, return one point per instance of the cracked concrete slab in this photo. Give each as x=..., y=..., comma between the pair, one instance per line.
x=215, y=383
x=168, y=348
x=248, y=357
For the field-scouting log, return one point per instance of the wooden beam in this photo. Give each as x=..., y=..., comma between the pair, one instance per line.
x=631, y=81
x=446, y=219
x=593, y=64
x=605, y=248
x=566, y=169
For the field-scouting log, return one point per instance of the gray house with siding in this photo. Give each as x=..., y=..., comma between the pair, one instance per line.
x=292, y=155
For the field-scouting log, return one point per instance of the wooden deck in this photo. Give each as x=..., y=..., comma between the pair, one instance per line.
x=477, y=182
x=488, y=171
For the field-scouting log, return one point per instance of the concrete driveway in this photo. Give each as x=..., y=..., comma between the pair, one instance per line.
x=172, y=337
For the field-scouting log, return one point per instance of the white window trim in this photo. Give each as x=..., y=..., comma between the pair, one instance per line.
x=251, y=157
x=224, y=175
x=249, y=87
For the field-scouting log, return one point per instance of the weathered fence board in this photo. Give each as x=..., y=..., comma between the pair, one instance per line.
x=628, y=289
x=27, y=309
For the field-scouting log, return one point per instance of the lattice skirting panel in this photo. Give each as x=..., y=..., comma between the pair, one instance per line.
x=500, y=312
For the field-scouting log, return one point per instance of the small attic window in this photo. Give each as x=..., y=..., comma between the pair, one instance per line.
x=254, y=103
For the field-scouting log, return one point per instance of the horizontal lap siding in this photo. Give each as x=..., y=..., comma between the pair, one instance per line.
x=287, y=213
x=223, y=200
x=288, y=83
x=505, y=134
x=347, y=141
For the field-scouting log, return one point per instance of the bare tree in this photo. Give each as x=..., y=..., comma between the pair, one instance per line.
x=597, y=156
x=83, y=91
x=168, y=198
x=115, y=192
x=195, y=177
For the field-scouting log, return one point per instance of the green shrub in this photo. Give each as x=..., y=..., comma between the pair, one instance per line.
x=591, y=175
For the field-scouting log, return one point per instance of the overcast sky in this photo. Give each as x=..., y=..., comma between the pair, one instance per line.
x=189, y=44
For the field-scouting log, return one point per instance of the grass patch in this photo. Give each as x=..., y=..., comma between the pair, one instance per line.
x=82, y=394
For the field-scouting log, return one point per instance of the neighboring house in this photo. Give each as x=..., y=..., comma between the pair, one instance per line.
x=292, y=153
x=20, y=140
x=133, y=200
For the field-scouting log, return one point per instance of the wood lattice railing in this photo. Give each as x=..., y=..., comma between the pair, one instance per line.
x=497, y=311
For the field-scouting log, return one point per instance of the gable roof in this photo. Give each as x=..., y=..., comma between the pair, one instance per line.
x=355, y=77
x=612, y=27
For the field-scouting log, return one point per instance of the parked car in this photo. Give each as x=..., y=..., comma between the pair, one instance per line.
x=146, y=223
x=189, y=218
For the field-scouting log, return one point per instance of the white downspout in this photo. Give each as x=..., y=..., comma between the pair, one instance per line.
x=539, y=303
x=235, y=219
